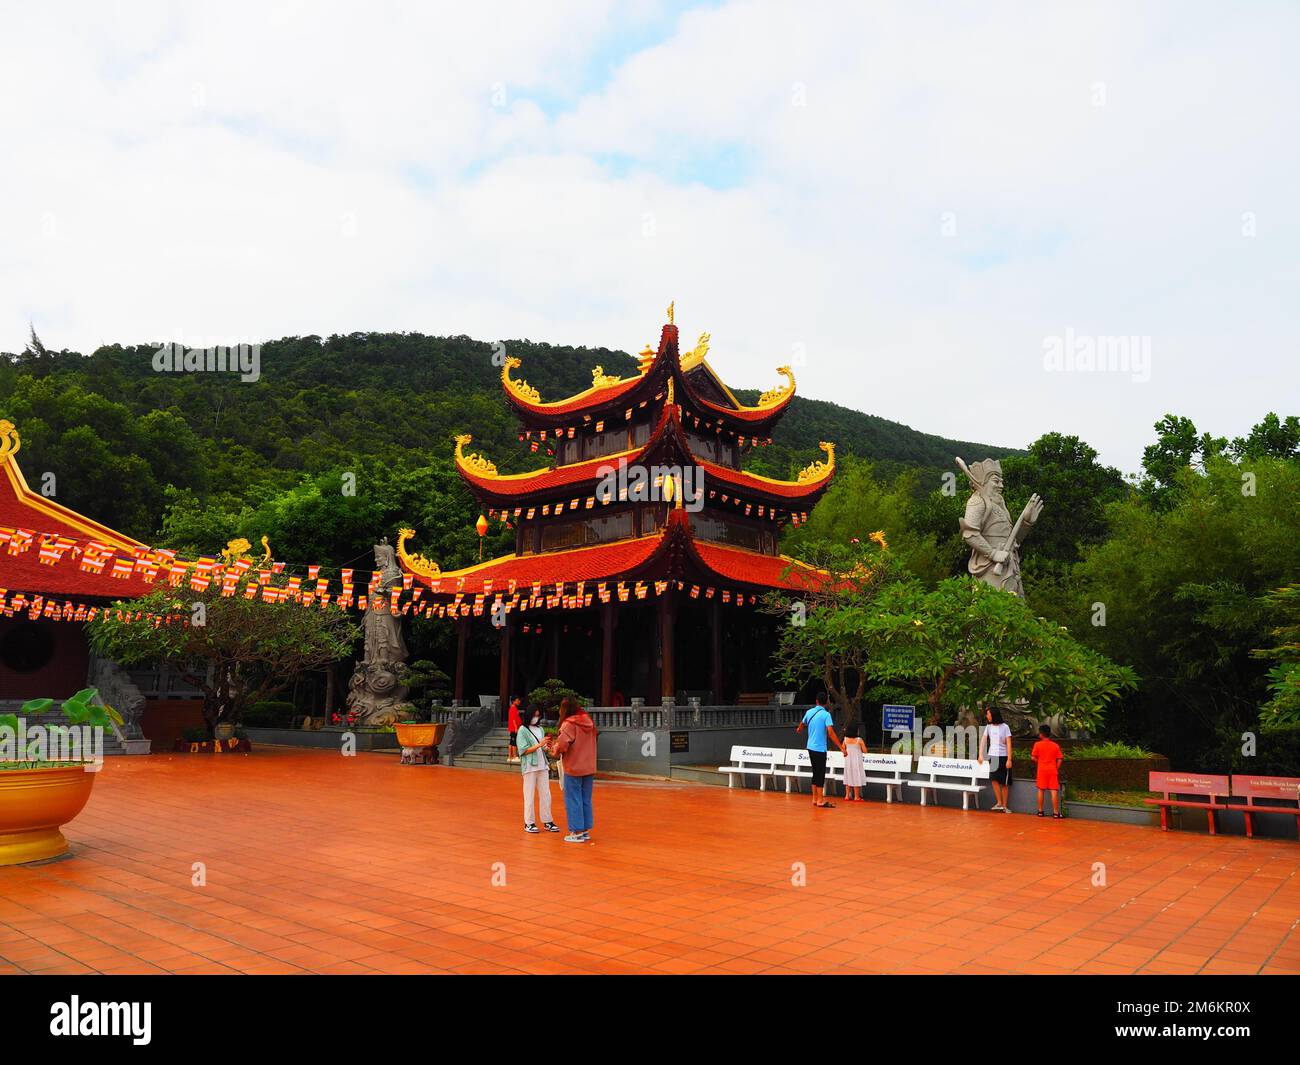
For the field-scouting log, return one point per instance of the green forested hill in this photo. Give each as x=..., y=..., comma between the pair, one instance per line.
x=116, y=432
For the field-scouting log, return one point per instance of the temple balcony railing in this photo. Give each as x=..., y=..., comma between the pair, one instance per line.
x=667, y=717
x=684, y=718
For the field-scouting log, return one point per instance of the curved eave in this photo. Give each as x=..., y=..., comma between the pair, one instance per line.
x=668, y=436
x=21, y=508
x=671, y=554
x=600, y=401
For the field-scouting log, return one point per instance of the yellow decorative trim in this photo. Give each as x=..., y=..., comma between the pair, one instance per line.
x=415, y=563
x=670, y=312
x=522, y=389
x=10, y=441
x=600, y=379
x=474, y=462
x=671, y=401
x=696, y=355
x=773, y=396
x=819, y=470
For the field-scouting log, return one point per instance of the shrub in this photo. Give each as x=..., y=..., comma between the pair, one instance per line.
x=269, y=714
x=1114, y=749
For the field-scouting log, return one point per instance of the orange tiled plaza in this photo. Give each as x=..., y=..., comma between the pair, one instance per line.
x=320, y=863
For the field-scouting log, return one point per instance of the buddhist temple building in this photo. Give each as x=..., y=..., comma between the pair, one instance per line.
x=643, y=553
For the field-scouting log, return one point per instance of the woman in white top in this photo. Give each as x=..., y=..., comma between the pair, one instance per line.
x=996, y=744
x=531, y=744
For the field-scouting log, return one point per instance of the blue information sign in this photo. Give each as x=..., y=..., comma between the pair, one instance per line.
x=897, y=718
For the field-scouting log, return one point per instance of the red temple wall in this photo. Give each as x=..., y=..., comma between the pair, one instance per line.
x=60, y=676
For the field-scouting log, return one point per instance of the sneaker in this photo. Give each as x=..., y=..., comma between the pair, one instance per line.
x=531, y=828
x=551, y=826
x=998, y=809
x=573, y=837
x=586, y=837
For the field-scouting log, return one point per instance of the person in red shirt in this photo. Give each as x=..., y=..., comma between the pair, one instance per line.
x=1047, y=756
x=513, y=722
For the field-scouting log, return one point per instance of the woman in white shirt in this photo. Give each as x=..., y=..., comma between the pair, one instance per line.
x=996, y=744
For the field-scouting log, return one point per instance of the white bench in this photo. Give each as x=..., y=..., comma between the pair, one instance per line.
x=794, y=765
x=753, y=761
x=887, y=769
x=951, y=774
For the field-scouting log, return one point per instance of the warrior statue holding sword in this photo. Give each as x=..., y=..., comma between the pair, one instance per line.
x=986, y=526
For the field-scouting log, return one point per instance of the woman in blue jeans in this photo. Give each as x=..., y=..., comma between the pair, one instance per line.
x=575, y=744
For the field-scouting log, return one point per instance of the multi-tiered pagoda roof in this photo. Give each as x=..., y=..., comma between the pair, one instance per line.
x=578, y=538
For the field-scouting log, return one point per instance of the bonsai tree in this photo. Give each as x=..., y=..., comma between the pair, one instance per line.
x=547, y=696
x=427, y=681
x=243, y=650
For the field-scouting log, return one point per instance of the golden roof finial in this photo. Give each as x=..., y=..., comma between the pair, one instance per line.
x=10, y=441
x=670, y=312
x=775, y=395
x=473, y=462
x=645, y=358
x=415, y=563
x=522, y=389
x=819, y=469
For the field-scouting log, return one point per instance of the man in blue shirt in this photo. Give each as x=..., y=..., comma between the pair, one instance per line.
x=820, y=727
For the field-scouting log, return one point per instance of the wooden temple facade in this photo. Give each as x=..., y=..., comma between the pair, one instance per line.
x=642, y=554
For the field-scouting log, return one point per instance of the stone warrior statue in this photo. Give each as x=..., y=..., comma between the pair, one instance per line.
x=377, y=691
x=986, y=526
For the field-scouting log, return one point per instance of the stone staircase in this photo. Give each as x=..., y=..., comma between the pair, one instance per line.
x=488, y=753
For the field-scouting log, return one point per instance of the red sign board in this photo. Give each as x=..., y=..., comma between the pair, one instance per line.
x=1188, y=784
x=1266, y=787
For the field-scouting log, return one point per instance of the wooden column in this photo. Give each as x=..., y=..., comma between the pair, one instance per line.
x=715, y=633
x=553, y=653
x=667, y=637
x=507, y=670
x=462, y=636
x=607, y=654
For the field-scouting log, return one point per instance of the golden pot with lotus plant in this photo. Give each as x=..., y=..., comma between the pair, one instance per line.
x=34, y=805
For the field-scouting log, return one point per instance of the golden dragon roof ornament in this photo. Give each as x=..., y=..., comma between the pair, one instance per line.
x=10, y=441
x=600, y=379
x=819, y=469
x=522, y=389
x=773, y=396
x=417, y=563
x=696, y=355
x=474, y=462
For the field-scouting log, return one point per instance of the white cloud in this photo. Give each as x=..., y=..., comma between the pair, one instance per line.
x=785, y=172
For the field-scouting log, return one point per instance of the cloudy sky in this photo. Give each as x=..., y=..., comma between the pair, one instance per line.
x=932, y=212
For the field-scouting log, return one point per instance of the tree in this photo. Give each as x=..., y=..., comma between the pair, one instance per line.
x=1271, y=437
x=242, y=650
x=1176, y=592
x=820, y=643
x=965, y=646
x=1283, y=709
x=1065, y=472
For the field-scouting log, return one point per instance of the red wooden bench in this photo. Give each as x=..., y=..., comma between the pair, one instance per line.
x=1171, y=785
x=1273, y=790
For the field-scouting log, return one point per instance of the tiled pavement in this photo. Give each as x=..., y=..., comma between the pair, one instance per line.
x=320, y=863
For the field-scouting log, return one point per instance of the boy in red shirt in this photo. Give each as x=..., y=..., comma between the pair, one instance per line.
x=1047, y=756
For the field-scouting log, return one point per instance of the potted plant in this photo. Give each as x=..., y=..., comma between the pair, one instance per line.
x=45, y=774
